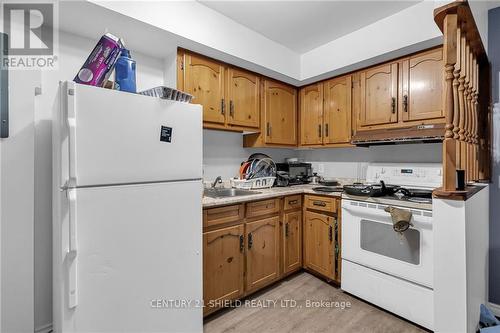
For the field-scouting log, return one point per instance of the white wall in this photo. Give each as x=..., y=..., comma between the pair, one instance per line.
x=407, y=27
x=223, y=153
x=479, y=10
x=351, y=162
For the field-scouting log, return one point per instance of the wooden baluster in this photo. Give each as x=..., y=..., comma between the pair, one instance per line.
x=470, y=117
x=476, y=117
x=461, y=101
x=449, y=144
x=456, y=103
x=473, y=116
x=466, y=110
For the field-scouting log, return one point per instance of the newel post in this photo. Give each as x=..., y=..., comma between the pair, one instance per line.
x=449, y=143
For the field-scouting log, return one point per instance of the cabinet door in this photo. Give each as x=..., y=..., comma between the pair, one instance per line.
x=311, y=115
x=223, y=264
x=280, y=103
x=204, y=79
x=243, y=96
x=337, y=111
x=319, y=243
x=379, y=92
x=292, y=245
x=423, y=86
x=263, y=252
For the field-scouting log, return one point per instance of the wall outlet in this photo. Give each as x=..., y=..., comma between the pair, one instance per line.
x=321, y=168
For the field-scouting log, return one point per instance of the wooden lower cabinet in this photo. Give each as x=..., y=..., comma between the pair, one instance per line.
x=262, y=252
x=319, y=244
x=223, y=264
x=292, y=241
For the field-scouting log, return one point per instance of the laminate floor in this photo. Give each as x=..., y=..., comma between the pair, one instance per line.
x=282, y=315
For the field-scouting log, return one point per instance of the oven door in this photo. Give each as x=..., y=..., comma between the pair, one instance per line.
x=369, y=240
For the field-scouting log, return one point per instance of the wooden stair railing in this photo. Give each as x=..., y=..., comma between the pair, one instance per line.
x=466, y=100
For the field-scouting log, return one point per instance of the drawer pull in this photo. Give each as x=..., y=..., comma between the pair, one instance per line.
x=319, y=203
x=242, y=243
x=286, y=230
x=293, y=202
x=330, y=233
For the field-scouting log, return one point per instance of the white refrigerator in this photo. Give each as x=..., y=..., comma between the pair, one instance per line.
x=127, y=223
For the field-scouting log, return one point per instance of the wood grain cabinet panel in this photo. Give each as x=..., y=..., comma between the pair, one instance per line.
x=337, y=110
x=280, y=112
x=311, y=114
x=422, y=85
x=262, y=252
x=221, y=215
x=223, y=264
x=319, y=243
x=292, y=241
x=316, y=202
x=204, y=79
x=263, y=207
x=379, y=93
x=292, y=202
x=244, y=98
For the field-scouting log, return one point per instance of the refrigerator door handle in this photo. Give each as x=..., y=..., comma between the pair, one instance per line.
x=72, y=251
x=71, y=119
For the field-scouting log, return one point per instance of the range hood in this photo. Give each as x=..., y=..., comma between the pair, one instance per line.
x=412, y=134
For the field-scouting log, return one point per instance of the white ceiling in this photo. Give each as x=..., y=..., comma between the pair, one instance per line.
x=304, y=25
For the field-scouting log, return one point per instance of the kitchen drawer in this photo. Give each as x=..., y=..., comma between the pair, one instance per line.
x=221, y=215
x=327, y=204
x=263, y=207
x=293, y=202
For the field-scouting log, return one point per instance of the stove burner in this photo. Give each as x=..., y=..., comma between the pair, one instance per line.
x=419, y=200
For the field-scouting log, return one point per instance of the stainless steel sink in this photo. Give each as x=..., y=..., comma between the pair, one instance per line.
x=227, y=192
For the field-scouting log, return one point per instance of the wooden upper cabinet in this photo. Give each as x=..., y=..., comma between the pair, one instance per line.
x=422, y=85
x=263, y=252
x=223, y=264
x=204, y=79
x=379, y=93
x=311, y=115
x=243, y=98
x=337, y=110
x=280, y=112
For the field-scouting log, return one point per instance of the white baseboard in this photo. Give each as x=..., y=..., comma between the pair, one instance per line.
x=44, y=328
x=495, y=308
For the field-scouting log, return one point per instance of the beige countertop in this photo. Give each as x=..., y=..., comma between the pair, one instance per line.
x=266, y=194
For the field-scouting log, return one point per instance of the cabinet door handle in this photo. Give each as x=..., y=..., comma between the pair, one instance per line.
x=231, y=108
x=286, y=230
x=393, y=105
x=405, y=103
x=242, y=243
x=319, y=130
x=330, y=233
x=293, y=202
x=250, y=240
x=222, y=106
x=268, y=129
x=319, y=203
x=326, y=130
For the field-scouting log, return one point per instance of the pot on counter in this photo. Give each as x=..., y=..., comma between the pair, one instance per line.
x=315, y=179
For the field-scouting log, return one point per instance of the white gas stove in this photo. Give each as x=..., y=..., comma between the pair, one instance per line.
x=384, y=267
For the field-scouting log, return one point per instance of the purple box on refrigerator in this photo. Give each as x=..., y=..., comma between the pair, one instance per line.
x=100, y=63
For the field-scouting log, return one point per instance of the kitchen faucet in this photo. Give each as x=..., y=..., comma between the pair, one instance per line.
x=218, y=180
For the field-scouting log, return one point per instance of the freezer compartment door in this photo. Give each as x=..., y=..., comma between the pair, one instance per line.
x=113, y=137
x=138, y=260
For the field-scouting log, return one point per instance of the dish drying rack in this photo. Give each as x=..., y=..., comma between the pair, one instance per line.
x=256, y=173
